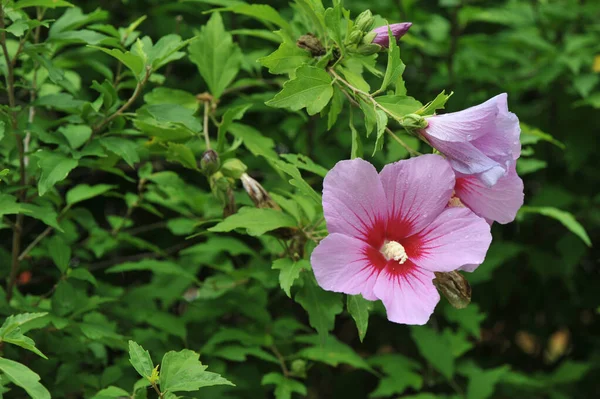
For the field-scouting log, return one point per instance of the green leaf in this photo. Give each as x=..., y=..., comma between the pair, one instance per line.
x=166, y=50
x=229, y=116
x=330, y=351
x=134, y=62
x=401, y=373
x=333, y=23
x=262, y=12
x=289, y=271
x=55, y=167
x=11, y=333
x=569, y=372
x=155, y=266
x=15, y=337
x=566, y=218
x=164, y=95
x=297, y=180
x=182, y=154
x=321, y=306
x=482, y=382
x=382, y=121
x=24, y=377
x=287, y=58
x=337, y=104
x=254, y=141
x=83, y=192
x=284, y=387
x=395, y=66
x=356, y=150
x=358, y=307
x=44, y=213
x=42, y=3
x=469, y=318
x=111, y=392
x=76, y=135
x=140, y=359
x=83, y=274
x=399, y=106
x=438, y=103
x=434, y=348
x=532, y=135
x=124, y=148
x=183, y=371
x=60, y=252
x=311, y=89
x=256, y=221
x=218, y=59
x=529, y=165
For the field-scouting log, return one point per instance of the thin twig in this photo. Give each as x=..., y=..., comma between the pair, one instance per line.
x=124, y=107
x=412, y=152
x=10, y=88
x=35, y=242
x=279, y=356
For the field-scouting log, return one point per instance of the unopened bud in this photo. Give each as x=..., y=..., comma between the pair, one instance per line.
x=364, y=21
x=454, y=287
x=257, y=193
x=354, y=37
x=299, y=367
x=210, y=162
x=414, y=122
x=369, y=49
x=233, y=168
x=382, y=36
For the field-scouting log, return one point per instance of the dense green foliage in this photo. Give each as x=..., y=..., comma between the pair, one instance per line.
x=134, y=260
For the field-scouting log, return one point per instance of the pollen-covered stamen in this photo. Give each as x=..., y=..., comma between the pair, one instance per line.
x=394, y=250
x=455, y=202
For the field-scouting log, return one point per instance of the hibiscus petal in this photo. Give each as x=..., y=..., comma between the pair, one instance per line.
x=410, y=297
x=502, y=143
x=457, y=237
x=468, y=124
x=354, y=201
x=418, y=190
x=342, y=264
x=467, y=159
x=499, y=203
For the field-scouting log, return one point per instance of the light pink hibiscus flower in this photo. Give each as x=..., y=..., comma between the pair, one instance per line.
x=389, y=233
x=482, y=140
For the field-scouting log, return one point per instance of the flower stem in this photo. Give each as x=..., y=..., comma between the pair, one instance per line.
x=138, y=89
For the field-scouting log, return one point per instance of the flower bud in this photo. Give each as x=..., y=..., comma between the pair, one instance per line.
x=454, y=287
x=364, y=21
x=210, y=162
x=382, y=36
x=257, y=193
x=414, y=122
x=369, y=49
x=354, y=37
x=233, y=168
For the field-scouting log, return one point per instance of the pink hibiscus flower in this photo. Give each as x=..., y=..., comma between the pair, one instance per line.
x=482, y=140
x=389, y=233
